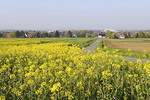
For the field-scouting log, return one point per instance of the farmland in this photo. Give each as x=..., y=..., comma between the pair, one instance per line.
x=134, y=44
x=82, y=42
x=128, y=47
x=38, y=69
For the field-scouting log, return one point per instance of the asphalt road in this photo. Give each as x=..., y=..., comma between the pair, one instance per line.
x=94, y=45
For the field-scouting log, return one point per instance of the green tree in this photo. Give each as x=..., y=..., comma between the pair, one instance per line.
x=57, y=34
x=69, y=34
x=17, y=34
x=129, y=35
x=45, y=34
x=22, y=34
x=88, y=34
x=83, y=33
x=38, y=34
x=1, y=35
x=109, y=33
x=12, y=34
x=141, y=34
x=147, y=35
x=114, y=36
x=32, y=35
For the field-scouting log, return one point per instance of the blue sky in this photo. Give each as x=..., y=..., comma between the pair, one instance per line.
x=74, y=14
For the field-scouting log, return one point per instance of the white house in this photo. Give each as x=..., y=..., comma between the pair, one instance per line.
x=74, y=35
x=101, y=36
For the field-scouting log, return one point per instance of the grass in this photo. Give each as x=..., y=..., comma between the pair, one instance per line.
x=137, y=40
x=126, y=47
x=82, y=42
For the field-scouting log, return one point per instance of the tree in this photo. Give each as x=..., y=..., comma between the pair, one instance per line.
x=69, y=34
x=88, y=34
x=114, y=36
x=147, y=35
x=82, y=33
x=76, y=33
x=141, y=34
x=32, y=35
x=38, y=34
x=17, y=33
x=109, y=33
x=22, y=34
x=12, y=34
x=45, y=34
x=1, y=35
x=56, y=34
x=129, y=35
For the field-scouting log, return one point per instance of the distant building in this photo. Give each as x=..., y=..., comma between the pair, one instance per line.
x=110, y=30
x=52, y=34
x=122, y=36
x=74, y=35
x=6, y=34
x=101, y=36
x=134, y=35
x=26, y=34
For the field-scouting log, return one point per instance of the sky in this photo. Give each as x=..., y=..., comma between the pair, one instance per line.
x=74, y=14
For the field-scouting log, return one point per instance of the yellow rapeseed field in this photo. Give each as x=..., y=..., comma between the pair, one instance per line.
x=59, y=71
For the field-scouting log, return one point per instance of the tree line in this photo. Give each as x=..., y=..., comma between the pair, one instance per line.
x=79, y=33
x=38, y=34
x=139, y=34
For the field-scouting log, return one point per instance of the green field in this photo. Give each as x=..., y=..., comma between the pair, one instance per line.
x=139, y=40
x=82, y=42
x=138, y=48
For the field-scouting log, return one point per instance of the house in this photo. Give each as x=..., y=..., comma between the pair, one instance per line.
x=74, y=35
x=135, y=35
x=6, y=34
x=122, y=36
x=26, y=34
x=101, y=36
x=52, y=34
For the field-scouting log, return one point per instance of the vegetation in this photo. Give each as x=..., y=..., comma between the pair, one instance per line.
x=57, y=34
x=141, y=35
x=81, y=42
x=115, y=48
x=68, y=34
x=111, y=35
x=64, y=71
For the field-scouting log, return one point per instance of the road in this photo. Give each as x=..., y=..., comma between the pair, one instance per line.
x=94, y=45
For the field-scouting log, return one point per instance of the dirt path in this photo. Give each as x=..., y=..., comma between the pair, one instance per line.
x=94, y=45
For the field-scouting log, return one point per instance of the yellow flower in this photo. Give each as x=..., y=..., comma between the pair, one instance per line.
x=129, y=75
x=56, y=87
x=30, y=81
x=12, y=76
x=139, y=61
x=129, y=50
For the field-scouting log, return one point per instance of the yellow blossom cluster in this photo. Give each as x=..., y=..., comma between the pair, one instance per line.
x=64, y=71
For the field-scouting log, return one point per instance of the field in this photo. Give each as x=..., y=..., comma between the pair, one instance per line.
x=128, y=47
x=134, y=44
x=82, y=42
x=35, y=70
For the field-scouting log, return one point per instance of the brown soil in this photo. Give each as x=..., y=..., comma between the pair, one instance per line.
x=128, y=45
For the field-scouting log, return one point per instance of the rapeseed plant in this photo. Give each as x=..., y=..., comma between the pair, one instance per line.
x=61, y=71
